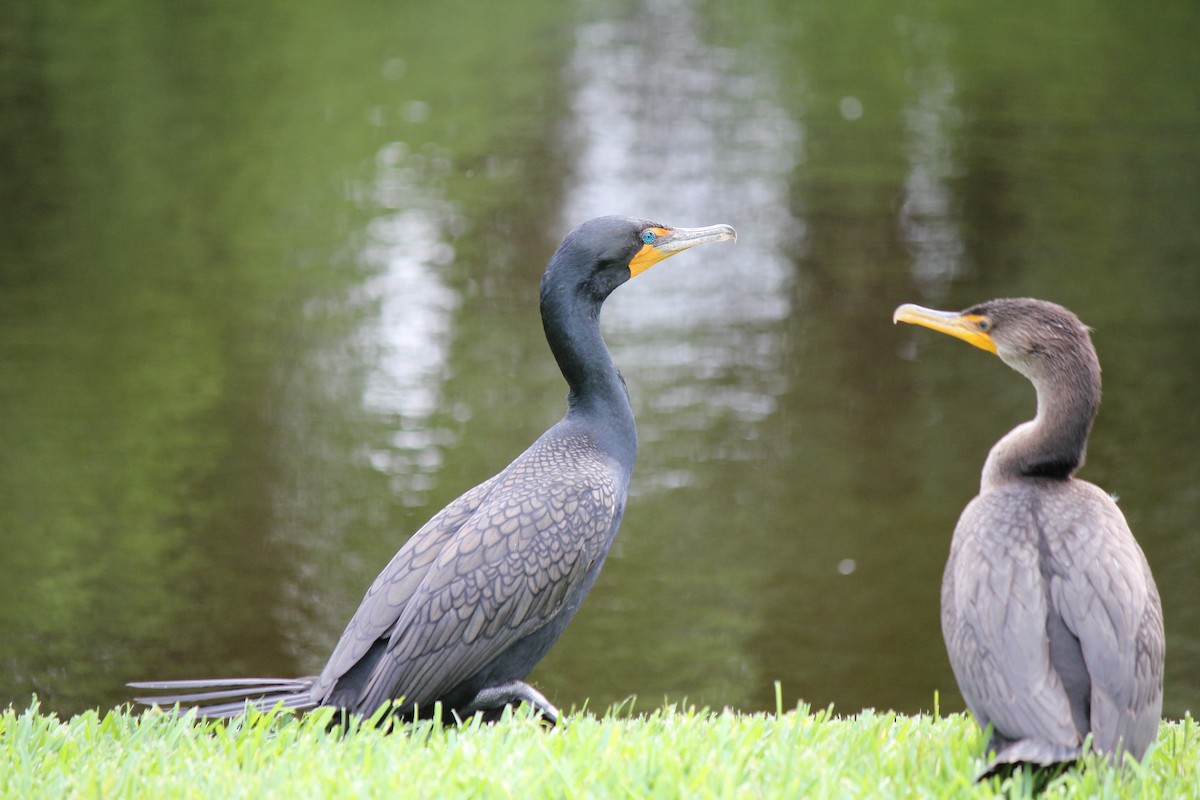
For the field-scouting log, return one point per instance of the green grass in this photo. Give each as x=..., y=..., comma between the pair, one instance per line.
x=667, y=753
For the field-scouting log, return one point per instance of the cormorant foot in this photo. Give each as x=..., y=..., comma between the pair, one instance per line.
x=490, y=702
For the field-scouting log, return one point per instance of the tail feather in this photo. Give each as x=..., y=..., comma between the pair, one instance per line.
x=259, y=693
x=206, y=683
x=196, y=698
x=1033, y=752
x=226, y=710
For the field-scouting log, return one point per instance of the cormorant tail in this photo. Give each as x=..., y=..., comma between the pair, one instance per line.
x=239, y=693
x=1033, y=752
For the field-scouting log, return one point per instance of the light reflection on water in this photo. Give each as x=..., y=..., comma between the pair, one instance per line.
x=387, y=374
x=929, y=217
x=671, y=128
x=407, y=342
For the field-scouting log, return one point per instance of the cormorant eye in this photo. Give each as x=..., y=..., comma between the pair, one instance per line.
x=984, y=325
x=648, y=236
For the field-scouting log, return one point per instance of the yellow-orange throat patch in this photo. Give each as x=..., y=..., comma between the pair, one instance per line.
x=648, y=256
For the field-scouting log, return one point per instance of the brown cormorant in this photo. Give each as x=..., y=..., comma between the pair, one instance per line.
x=478, y=595
x=1049, y=612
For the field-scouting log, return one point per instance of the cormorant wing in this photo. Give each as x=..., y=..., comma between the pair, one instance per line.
x=994, y=620
x=389, y=593
x=508, y=571
x=1106, y=597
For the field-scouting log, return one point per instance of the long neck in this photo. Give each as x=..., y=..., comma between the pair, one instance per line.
x=1054, y=443
x=597, y=396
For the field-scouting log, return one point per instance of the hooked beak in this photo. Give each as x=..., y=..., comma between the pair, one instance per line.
x=971, y=328
x=675, y=240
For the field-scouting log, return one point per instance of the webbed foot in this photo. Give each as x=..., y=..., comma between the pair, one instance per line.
x=490, y=702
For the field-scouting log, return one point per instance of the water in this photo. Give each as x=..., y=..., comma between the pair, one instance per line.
x=268, y=301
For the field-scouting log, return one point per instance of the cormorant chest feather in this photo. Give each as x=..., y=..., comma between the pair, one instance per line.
x=1045, y=529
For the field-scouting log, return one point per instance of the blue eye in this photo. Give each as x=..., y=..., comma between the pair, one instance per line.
x=648, y=237
x=984, y=325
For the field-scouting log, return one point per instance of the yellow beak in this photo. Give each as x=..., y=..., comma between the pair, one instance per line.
x=675, y=240
x=971, y=328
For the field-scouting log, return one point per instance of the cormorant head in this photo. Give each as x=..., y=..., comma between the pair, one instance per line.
x=1032, y=336
x=603, y=253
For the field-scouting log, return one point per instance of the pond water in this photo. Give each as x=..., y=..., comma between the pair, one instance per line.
x=268, y=300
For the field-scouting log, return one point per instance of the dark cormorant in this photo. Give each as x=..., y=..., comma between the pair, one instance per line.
x=1050, y=614
x=480, y=593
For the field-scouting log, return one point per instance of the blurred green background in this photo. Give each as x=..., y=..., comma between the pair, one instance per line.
x=268, y=300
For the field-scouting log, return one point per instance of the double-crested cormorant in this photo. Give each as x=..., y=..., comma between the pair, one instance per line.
x=1050, y=614
x=480, y=593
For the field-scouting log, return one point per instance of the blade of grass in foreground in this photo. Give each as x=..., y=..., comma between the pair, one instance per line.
x=670, y=752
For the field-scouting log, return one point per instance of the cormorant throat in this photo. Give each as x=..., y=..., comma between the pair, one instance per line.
x=1054, y=443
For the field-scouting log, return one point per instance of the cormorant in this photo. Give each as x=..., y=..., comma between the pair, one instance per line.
x=1050, y=614
x=478, y=595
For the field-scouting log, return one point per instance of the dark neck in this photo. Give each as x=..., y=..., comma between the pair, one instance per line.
x=1052, y=444
x=597, y=397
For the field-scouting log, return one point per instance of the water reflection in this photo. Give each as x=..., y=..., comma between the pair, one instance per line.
x=407, y=341
x=674, y=129
x=361, y=407
x=929, y=216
